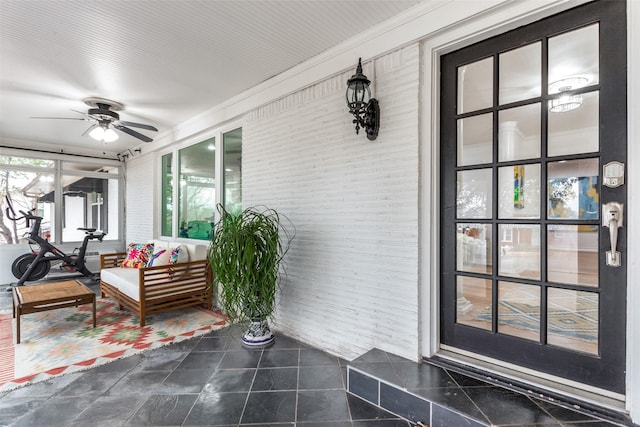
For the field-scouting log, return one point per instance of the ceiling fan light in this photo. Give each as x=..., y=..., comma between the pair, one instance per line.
x=97, y=133
x=110, y=135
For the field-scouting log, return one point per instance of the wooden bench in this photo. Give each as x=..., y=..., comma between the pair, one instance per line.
x=151, y=290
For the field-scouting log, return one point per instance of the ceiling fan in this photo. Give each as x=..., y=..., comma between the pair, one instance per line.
x=104, y=117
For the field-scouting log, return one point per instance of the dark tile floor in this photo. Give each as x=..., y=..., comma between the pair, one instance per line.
x=214, y=380
x=404, y=388
x=211, y=380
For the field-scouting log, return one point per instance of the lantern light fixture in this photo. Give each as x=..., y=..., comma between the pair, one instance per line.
x=365, y=110
x=567, y=100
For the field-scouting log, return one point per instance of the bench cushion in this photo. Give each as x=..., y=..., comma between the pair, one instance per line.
x=125, y=279
x=138, y=255
x=197, y=252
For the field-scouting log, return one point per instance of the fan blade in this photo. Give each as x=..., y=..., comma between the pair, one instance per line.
x=90, y=128
x=84, y=117
x=138, y=125
x=133, y=133
x=59, y=118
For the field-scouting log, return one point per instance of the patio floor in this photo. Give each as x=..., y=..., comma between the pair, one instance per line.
x=214, y=380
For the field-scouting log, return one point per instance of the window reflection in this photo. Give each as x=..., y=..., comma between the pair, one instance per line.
x=575, y=131
x=474, y=195
x=89, y=202
x=519, y=133
x=197, y=191
x=519, y=250
x=520, y=73
x=573, y=118
x=474, y=248
x=575, y=54
x=233, y=170
x=473, y=302
x=519, y=191
x=79, y=195
x=28, y=190
x=167, y=196
x=519, y=310
x=572, y=254
x=475, y=86
x=573, y=189
x=572, y=320
x=475, y=140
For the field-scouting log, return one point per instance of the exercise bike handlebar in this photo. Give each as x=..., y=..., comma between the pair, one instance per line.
x=93, y=235
x=11, y=214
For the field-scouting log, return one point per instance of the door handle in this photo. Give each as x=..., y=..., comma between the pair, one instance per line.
x=612, y=216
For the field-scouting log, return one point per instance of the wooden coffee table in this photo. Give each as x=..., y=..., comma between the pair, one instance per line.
x=50, y=296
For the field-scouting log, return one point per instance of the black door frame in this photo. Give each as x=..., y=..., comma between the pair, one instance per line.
x=608, y=370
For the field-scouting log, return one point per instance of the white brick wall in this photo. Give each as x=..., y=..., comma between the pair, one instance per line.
x=353, y=268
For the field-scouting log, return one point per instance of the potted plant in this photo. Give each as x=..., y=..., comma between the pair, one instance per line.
x=246, y=255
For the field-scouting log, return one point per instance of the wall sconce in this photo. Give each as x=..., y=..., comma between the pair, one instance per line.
x=365, y=110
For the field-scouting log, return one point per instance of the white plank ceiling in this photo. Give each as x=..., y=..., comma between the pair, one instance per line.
x=165, y=60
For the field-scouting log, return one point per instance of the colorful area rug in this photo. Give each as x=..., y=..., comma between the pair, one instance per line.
x=62, y=341
x=582, y=323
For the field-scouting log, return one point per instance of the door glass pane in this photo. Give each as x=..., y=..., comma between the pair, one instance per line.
x=573, y=118
x=473, y=302
x=573, y=190
x=519, y=133
x=475, y=140
x=519, y=191
x=575, y=131
x=572, y=254
x=475, y=86
x=572, y=320
x=519, y=250
x=519, y=310
x=474, y=248
x=474, y=195
x=575, y=54
x=520, y=73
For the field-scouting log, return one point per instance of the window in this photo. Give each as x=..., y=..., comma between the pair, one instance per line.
x=197, y=191
x=189, y=185
x=166, y=225
x=68, y=195
x=233, y=170
x=89, y=202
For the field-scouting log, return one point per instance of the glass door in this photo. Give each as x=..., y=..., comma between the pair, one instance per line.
x=529, y=121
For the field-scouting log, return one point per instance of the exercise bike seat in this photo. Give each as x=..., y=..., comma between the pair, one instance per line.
x=88, y=230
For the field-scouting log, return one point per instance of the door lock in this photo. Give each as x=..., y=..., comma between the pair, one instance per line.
x=612, y=216
x=613, y=174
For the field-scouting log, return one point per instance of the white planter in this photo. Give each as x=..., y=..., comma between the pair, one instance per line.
x=258, y=333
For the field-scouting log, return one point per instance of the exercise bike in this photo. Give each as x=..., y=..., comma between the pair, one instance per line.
x=37, y=264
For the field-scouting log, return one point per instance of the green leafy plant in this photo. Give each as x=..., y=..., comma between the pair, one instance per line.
x=246, y=255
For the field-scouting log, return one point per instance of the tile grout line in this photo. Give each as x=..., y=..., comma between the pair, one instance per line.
x=246, y=401
x=200, y=393
x=470, y=399
x=295, y=411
